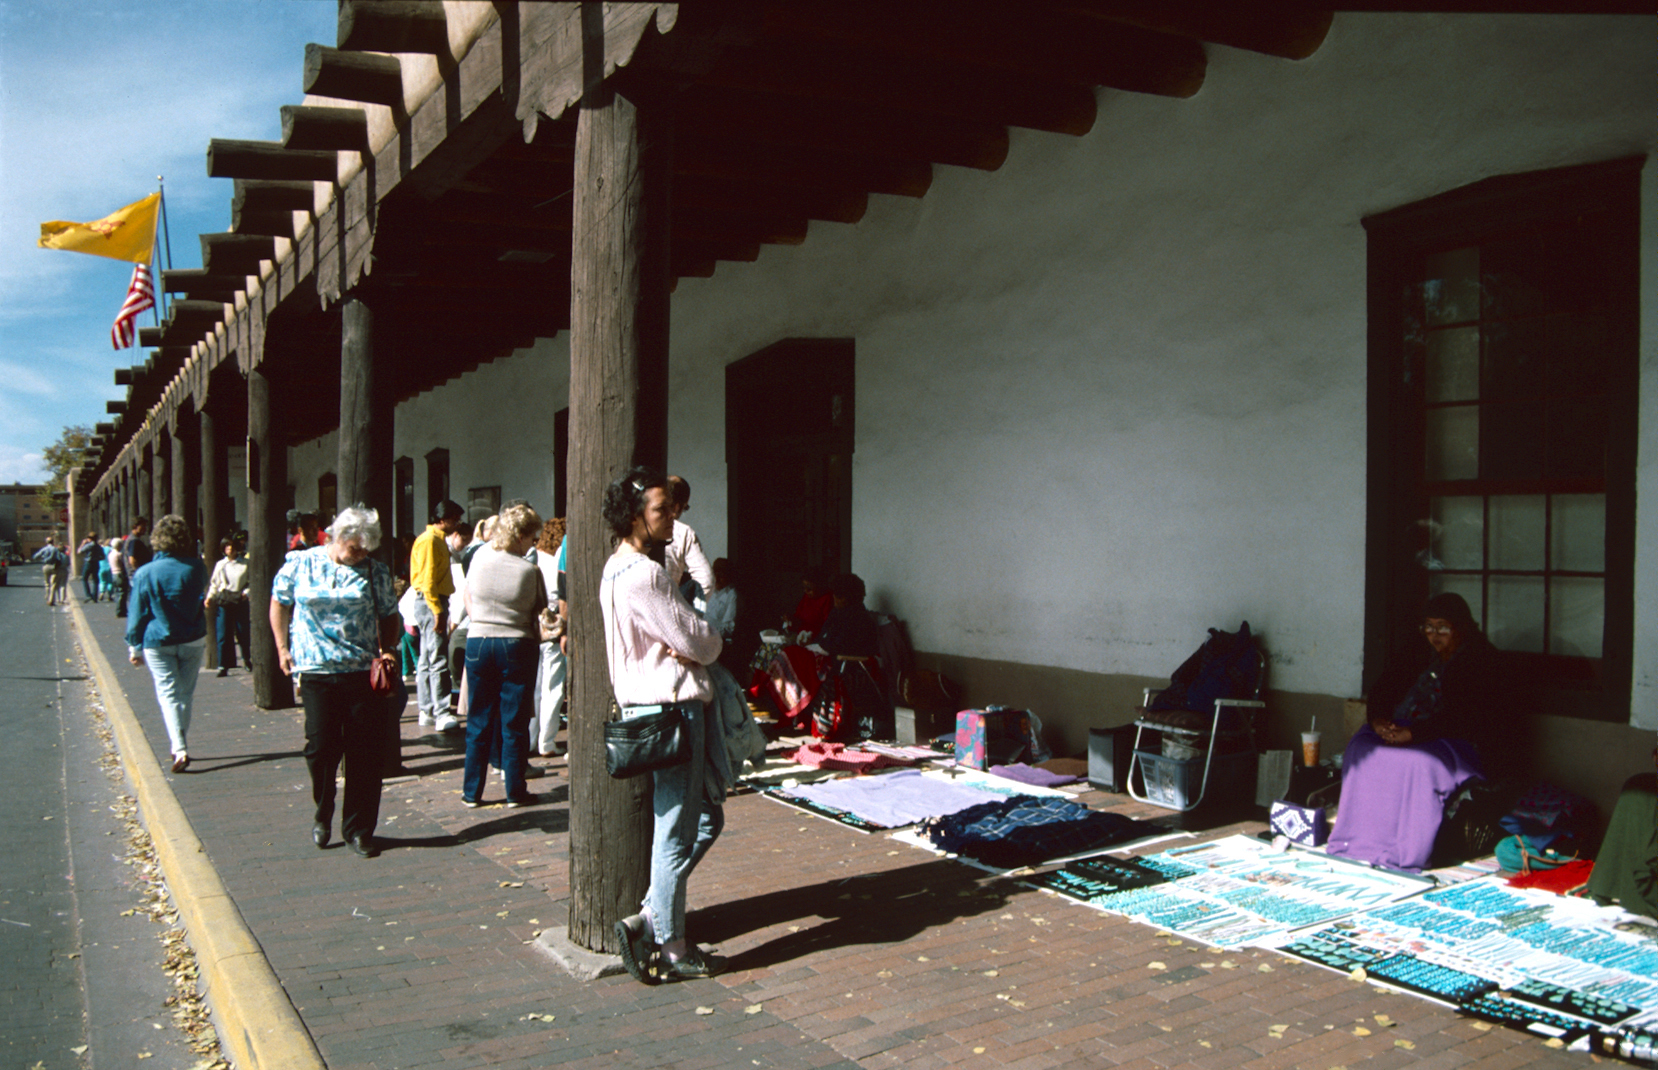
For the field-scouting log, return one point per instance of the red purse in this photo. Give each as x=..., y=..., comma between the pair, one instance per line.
x=382, y=679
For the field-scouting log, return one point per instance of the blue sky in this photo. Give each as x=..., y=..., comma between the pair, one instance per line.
x=97, y=99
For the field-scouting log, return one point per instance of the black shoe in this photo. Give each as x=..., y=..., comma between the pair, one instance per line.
x=694, y=966
x=319, y=834
x=636, y=948
x=362, y=845
x=222, y=673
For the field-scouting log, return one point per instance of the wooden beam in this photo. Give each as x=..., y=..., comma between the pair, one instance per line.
x=264, y=195
x=802, y=67
x=1290, y=31
x=228, y=158
x=852, y=129
x=362, y=76
x=330, y=129
x=125, y=376
x=116, y=407
x=267, y=224
x=104, y=429
x=1033, y=41
x=833, y=205
x=736, y=159
x=149, y=337
x=236, y=254
x=394, y=26
x=197, y=283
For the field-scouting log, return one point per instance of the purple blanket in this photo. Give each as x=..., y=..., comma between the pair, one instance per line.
x=892, y=800
x=1030, y=774
x=1392, y=798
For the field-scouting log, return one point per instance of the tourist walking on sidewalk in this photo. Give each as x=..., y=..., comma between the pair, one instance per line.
x=166, y=625
x=429, y=574
x=505, y=597
x=92, y=556
x=657, y=648
x=135, y=554
x=227, y=596
x=54, y=571
x=334, y=612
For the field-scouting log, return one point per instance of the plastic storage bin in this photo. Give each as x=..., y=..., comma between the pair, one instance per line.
x=1174, y=782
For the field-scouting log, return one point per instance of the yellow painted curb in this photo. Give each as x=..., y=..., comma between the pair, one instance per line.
x=257, y=1023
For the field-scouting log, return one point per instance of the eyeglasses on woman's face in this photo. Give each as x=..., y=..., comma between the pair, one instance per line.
x=1436, y=628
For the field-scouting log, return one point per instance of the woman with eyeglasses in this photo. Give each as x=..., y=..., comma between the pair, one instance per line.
x=1425, y=738
x=334, y=613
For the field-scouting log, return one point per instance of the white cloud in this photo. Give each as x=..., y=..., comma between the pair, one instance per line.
x=26, y=380
x=18, y=466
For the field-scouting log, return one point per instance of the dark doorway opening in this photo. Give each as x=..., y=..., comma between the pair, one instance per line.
x=789, y=422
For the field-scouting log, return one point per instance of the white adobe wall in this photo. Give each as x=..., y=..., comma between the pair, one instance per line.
x=1115, y=392
x=496, y=423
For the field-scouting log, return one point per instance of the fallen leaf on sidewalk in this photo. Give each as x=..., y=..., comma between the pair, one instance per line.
x=1359, y=974
x=80, y=1050
x=1554, y=1042
x=1156, y=966
x=1385, y=1022
x=1407, y=1045
x=1228, y=964
x=536, y=1018
x=1277, y=1032
x=990, y=973
x=705, y=1010
x=1484, y=1027
x=1360, y=1031
x=754, y=1008
x=512, y=884
x=1264, y=968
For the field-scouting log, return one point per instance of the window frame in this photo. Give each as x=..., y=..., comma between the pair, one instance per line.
x=1481, y=213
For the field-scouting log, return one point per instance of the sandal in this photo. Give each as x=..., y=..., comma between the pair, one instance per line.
x=181, y=762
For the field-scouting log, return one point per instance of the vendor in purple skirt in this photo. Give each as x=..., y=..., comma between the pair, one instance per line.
x=1426, y=737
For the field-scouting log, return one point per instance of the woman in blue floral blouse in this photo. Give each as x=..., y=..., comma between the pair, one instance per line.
x=334, y=613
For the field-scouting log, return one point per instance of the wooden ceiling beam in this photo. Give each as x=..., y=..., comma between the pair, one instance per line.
x=196, y=282
x=268, y=224
x=814, y=202
x=394, y=26
x=802, y=67
x=315, y=128
x=714, y=158
x=362, y=76
x=229, y=158
x=854, y=129
x=1030, y=41
x=1289, y=31
x=265, y=195
x=736, y=225
x=236, y=254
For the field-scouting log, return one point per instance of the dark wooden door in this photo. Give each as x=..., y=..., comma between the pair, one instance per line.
x=789, y=441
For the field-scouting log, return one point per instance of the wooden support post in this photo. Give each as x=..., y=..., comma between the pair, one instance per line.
x=213, y=492
x=366, y=408
x=186, y=468
x=267, y=484
x=144, y=503
x=80, y=519
x=618, y=418
x=161, y=486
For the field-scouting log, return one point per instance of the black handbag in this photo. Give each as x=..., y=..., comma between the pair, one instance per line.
x=647, y=739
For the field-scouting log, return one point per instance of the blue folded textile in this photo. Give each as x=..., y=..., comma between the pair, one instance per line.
x=1026, y=830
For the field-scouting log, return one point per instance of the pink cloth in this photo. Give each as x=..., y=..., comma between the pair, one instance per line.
x=822, y=755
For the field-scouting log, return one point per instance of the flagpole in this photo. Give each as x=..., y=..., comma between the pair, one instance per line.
x=167, y=246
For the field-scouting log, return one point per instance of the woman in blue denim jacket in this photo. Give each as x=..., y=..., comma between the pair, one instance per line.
x=167, y=628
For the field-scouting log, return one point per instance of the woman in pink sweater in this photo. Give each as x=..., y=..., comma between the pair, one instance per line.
x=657, y=648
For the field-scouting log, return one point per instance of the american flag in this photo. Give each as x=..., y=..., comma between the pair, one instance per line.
x=140, y=296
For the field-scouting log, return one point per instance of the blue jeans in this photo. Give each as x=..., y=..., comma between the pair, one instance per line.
x=175, y=668
x=233, y=633
x=687, y=824
x=500, y=681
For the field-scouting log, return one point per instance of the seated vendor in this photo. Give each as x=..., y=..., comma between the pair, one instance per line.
x=1626, y=869
x=816, y=600
x=850, y=629
x=1424, y=740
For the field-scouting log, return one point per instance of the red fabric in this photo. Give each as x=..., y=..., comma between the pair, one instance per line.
x=824, y=755
x=1561, y=880
x=810, y=613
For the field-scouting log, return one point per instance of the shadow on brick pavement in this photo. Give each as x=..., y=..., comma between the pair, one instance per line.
x=846, y=949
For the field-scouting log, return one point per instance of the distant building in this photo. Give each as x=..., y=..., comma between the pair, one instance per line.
x=24, y=522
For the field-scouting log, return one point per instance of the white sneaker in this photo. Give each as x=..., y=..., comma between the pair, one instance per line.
x=448, y=722
x=427, y=720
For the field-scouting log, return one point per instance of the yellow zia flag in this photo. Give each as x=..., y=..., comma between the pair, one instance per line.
x=127, y=234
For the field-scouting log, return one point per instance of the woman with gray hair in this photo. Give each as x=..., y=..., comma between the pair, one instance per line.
x=334, y=614
x=166, y=625
x=505, y=597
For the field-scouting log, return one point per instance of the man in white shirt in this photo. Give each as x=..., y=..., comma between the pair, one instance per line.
x=683, y=555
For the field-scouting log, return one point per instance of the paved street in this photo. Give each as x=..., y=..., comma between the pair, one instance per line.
x=81, y=980
x=847, y=950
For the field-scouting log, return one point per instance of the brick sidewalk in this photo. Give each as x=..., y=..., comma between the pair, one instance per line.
x=847, y=950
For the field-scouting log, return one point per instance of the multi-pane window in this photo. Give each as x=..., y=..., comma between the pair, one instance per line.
x=1504, y=320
